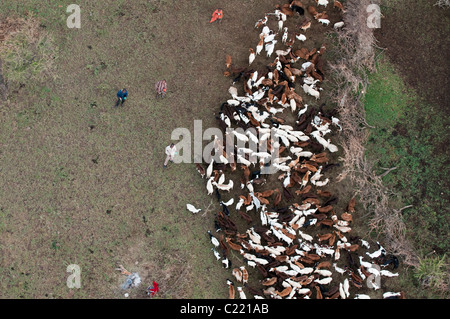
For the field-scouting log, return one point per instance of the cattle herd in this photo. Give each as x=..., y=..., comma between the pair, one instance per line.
x=296, y=242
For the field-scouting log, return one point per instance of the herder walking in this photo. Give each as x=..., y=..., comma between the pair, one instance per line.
x=121, y=97
x=171, y=150
x=217, y=15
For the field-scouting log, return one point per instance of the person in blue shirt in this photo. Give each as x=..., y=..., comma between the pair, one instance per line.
x=121, y=97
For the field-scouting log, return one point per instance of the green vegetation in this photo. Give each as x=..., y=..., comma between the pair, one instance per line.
x=432, y=272
x=410, y=134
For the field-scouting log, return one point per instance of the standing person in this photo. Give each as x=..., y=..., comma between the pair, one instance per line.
x=170, y=154
x=121, y=97
x=161, y=88
x=217, y=15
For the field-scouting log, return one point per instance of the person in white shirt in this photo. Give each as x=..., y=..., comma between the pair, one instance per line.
x=170, y=152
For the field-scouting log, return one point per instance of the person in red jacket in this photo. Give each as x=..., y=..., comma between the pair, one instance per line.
x=217, y=15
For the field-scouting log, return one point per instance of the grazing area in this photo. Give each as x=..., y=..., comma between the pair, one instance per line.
x=407, y=112
x=82, y=181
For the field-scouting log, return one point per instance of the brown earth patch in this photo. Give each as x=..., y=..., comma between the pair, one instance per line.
x=415, y=35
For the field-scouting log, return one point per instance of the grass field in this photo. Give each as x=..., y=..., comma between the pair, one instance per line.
x=83, y=183
x=58, y=207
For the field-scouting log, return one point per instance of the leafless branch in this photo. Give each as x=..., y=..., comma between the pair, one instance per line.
x=356, y=55
x=387, y=171
x=207, y=209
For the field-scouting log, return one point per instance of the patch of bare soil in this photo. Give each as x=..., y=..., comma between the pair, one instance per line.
x=415, y=35
x=9, y=26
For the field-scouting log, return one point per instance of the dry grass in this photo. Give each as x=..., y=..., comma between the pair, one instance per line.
x=27, y=52
x=9, y=27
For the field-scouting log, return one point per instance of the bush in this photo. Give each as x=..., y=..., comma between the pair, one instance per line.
x=407, y=134
x=432, y=273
